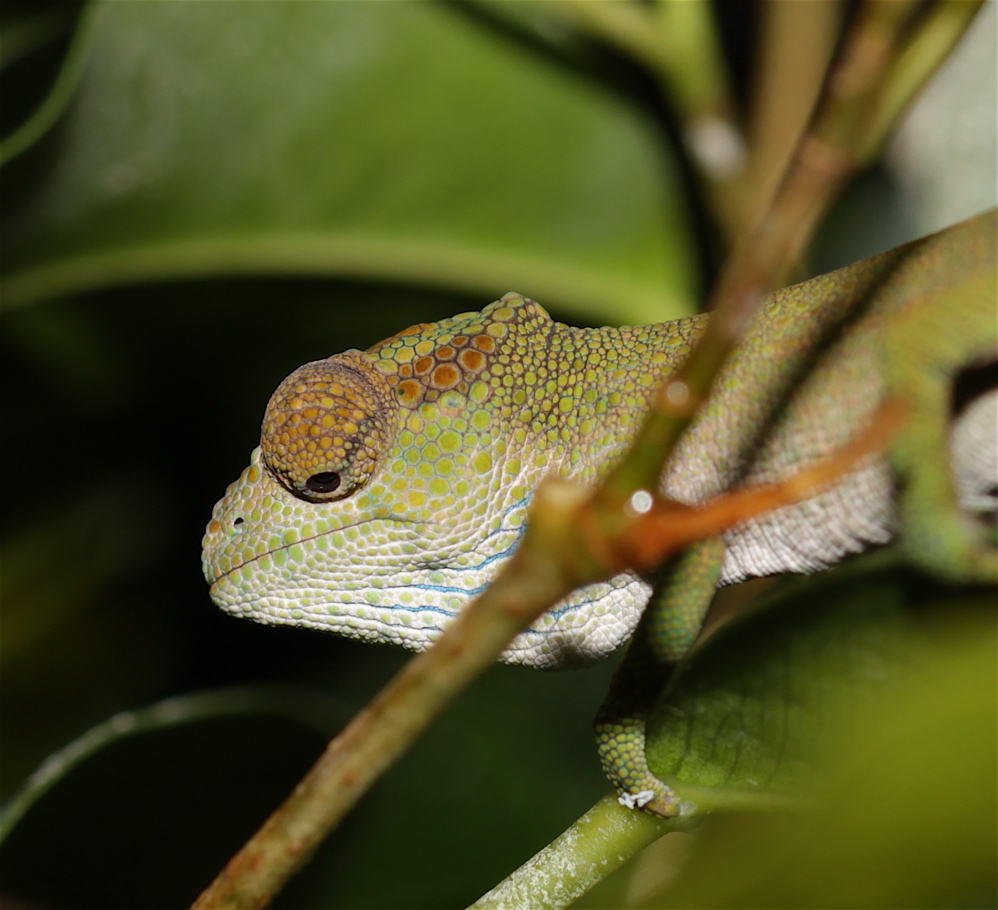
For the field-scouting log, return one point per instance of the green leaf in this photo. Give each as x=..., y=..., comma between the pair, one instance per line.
x=903, y=811
x=755, y=708
x=384, y=141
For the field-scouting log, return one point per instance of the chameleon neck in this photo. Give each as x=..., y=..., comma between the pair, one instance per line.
x=568, y=399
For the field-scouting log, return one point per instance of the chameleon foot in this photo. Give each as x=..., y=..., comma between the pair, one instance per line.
x=665, y=635
x=620, y=742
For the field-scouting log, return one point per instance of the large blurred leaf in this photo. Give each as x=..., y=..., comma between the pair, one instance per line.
x=753, y=712
x=904, y=814
x=385, y=140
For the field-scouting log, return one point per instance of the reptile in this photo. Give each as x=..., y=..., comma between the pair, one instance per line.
x=390, y=485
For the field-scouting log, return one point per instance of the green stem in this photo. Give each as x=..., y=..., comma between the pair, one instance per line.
x=605, y=838
x=600, y=842
x=930, y=47
x=303, y=706
x=61, y=93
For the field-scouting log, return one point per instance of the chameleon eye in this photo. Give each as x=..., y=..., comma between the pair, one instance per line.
x=324, y=482
x=327, y=426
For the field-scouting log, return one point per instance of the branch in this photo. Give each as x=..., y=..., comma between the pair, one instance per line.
x=881, y=62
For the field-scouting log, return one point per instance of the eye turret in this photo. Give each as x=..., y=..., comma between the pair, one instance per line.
x=327, y=425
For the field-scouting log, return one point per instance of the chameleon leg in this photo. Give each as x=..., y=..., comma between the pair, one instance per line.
x=926, y=348
x=666, y=633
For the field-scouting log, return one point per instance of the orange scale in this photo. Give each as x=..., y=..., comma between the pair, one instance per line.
x=409, y=391
x=445, y=376
x=471, y=360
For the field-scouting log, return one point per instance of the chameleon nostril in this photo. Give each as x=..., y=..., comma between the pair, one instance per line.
x=238, y=522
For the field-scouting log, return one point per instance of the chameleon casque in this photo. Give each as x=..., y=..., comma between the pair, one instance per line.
x=391, y=484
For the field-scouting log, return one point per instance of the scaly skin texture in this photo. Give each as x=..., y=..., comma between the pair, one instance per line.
x=391, y=484
x=439, y=436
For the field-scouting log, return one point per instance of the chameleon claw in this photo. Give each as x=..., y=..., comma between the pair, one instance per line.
x=661, y=802
x=636, y=800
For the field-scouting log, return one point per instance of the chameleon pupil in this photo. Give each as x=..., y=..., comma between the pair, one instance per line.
x=324, y=482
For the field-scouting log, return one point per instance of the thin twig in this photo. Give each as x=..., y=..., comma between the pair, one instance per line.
x=846, y=131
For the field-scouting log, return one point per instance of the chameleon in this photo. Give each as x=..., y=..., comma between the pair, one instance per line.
x=391, y=485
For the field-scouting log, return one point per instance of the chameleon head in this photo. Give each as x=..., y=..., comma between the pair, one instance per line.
x=391, y=485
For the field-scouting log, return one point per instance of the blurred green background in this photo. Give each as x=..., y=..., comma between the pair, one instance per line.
x=197, y=199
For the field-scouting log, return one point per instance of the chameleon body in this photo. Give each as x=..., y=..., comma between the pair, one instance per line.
x=391, y=484
x=452, y=425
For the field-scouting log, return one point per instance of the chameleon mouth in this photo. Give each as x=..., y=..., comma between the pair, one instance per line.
x=215, y=579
